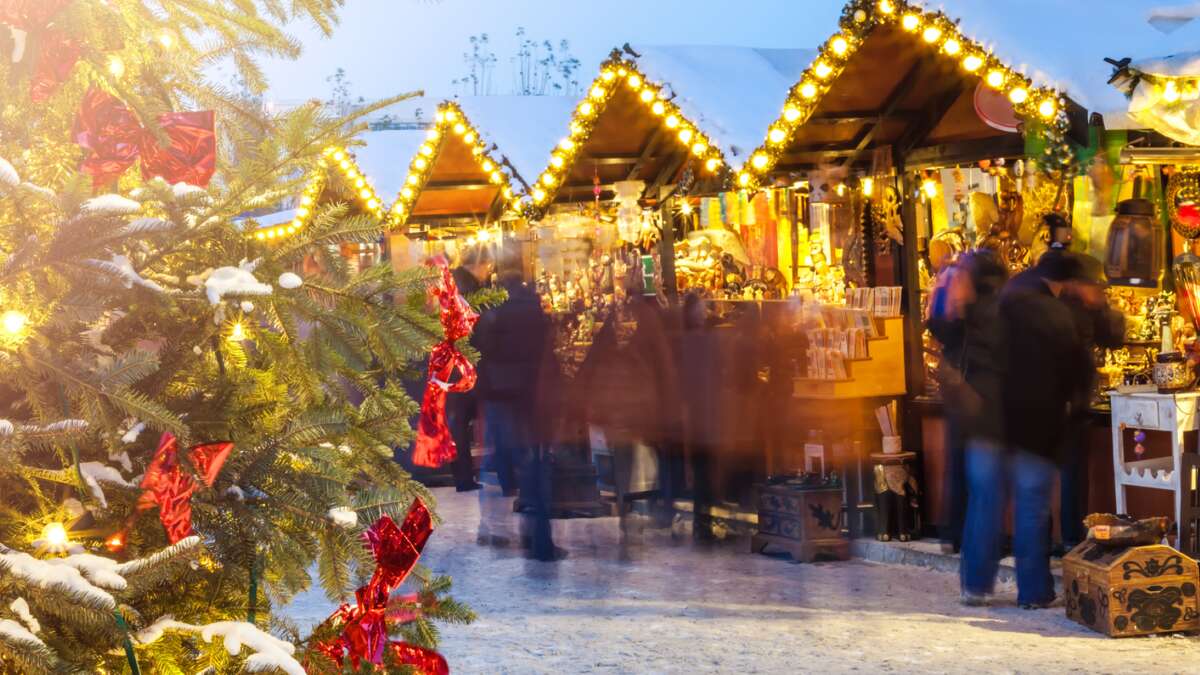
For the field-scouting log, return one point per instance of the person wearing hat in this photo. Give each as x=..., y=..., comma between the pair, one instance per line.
x=1044, y=364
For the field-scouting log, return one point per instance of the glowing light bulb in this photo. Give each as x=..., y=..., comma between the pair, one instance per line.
x=608, y=75
x=116, y=67
x=260, y=235
x=685, y=208
x=634, y=81
x=360, y=182
x=539, y=195
x=407, y=192
x=302, y=212
x=166, y=39
x=910, y=22
x=373, y=204
x=995, y=79
x=1047, y=108
x=743, y=179
x=460, y=128
x=566, y=144
x=759, y=161
x=868, y=186
x=598, y=92
x=451, y=115
x=420, y=164
x=364, y=193
x=823, y=70
x=699, y=148
x=776, y=135
x=808, y=90
x=585, y=108
x=469, y=138
x=426, y=149
x=840, y=189
x=55, y=537
x=672, y=121
x=839, y=45
x=1170, y=92
x=548, y=180
x=237, y=333
x=658, y=108
x=929, y=187
x=647, y=96
x=412, y=179
x=685, y=136
x=497, y=177
x=1018, y=95
x=952, y=46
x=712, y=164
x=14, y=321
x=972, y=63
x=791, y=113
x=932, y=34
x=886, y=7
x=433, y=133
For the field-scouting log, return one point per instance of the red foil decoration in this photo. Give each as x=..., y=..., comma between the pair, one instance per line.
x=56, y=59
x=435, y=446
x=114, y=139
x=168, y=487
x=364, y=634
x=29, y=14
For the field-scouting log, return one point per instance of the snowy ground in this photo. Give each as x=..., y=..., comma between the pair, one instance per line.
x=661, y=607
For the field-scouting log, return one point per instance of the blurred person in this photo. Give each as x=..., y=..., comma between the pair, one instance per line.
x=701, y=384
x=1098, y=326
x=962, y=316
x=1042, y=360
x=473, y=273
x=513, y=340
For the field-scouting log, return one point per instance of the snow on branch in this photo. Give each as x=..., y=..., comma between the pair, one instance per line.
x=120, y=267
x=233, y=280
x=11, y=631
x=270, y=652
x=8, y=175
x=110, y=205
x=95, y=473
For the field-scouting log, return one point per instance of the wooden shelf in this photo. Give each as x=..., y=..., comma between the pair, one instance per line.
x=882, y=374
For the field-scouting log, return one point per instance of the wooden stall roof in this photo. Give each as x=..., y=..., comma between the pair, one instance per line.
x=654, y=110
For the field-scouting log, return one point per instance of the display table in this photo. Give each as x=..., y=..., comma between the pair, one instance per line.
x=1174, y=414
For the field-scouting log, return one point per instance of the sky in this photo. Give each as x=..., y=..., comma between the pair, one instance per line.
x=392, y=46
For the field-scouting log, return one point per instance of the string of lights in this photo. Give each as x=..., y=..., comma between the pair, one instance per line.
x=334, y=158
x=617, y=73
x=450, y=121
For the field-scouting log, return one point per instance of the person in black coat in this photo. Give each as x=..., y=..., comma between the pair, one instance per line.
x=462, y=408
x=964, y=318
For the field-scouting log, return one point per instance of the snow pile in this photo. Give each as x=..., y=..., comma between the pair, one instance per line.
x=120, y=267
x=94, y=473
x=186, y=191
x=8, y=174
x=21, y=608
x=227, y=280
x=66, y=575
x=110, y=205
x=269, y=651
x=344, y=517
x=290, y=280
x=146, y=226
x=135, y=429
x=15, y=632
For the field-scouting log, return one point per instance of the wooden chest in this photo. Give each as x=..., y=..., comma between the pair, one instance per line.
x=1137, y=590
x=805, y=521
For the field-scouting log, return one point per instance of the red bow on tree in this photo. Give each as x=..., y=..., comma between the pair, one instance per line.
x=55, y=52
x=364, y=633
x=114, y=139
x=168, y=487
x=434, y=445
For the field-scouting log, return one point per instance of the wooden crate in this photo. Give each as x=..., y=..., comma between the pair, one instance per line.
x=1138, y=590
x=806, y=522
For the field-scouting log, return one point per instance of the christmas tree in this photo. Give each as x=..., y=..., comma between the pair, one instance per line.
x=192, y=418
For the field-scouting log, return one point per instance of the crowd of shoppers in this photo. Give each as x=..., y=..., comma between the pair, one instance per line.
x=1018, y=375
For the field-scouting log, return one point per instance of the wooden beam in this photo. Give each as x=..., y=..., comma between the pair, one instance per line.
x=464, y=185
x=965, y=152
x=667, y=175
x=856, y=117
x=918, y=130
x=644, y=156
x=888, y=108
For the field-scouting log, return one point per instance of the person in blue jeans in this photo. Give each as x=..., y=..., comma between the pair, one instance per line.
x=1042, y=363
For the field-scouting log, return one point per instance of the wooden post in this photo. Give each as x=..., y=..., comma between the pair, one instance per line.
x=666, y=252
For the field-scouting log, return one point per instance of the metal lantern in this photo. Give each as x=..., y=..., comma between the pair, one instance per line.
x=1134, y=251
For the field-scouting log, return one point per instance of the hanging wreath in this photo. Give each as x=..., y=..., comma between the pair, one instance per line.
x=1183, y=201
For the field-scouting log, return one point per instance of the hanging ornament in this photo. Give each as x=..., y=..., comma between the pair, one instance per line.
x=434, y=446
x=114, y=139
x=1183, y=201
x=1139, y=437
x=168, y=487
x=364, y=625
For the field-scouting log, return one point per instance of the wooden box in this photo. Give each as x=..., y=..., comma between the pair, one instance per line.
x=1136, y=590
x=805, y=521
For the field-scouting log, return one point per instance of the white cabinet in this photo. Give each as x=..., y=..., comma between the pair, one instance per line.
x=1151, y=411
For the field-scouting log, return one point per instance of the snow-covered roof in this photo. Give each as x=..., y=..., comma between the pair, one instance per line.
x=1186, y=64
x=385, y=157
x=524, y=128
x=730, y=93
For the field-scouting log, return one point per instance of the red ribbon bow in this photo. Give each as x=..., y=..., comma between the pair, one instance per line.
x=364, y=632
x=114, y=139
x=168, y=487
x=56, y=51
x=434, y=445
